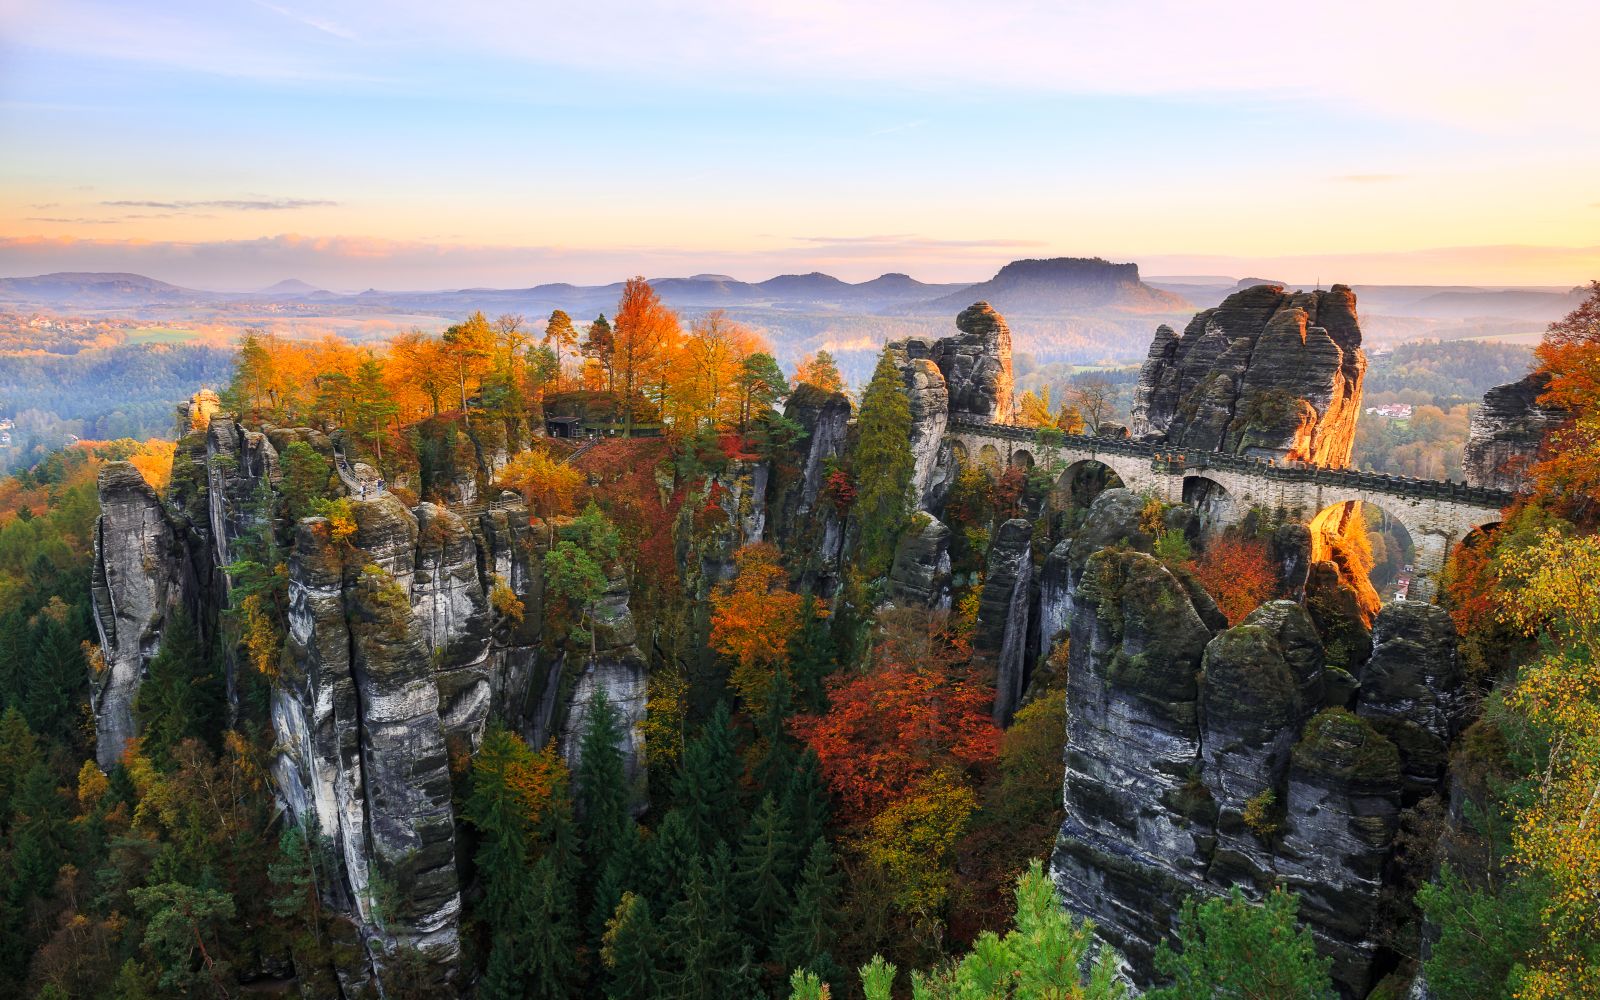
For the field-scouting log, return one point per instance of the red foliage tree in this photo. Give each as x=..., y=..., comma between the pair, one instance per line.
x=887, y=730
x=1238, y=574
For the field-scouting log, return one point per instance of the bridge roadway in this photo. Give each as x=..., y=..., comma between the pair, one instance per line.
x=1436, y=514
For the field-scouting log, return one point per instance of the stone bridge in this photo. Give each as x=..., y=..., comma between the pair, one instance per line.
x=1225, y=487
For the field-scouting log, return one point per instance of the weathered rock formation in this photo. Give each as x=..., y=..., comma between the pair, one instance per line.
x=401, y=638
x=1506, y=432
x=920, y=575
x=1001, y=635
x=1267, y=373
x=1413, y=689
x=1200, y=757
x=930, y=410
x=976, y=364
x=139, y=582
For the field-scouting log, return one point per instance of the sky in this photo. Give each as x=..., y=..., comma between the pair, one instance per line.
x=410, y=144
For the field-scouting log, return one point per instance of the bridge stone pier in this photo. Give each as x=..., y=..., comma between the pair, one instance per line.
x=1226, y=487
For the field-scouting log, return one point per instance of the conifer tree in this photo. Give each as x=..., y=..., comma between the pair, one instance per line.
x=763, y=871
x=775, y=751
x=14, y=647
x=178, y=699
x=812, y=657
x=807, y=937
x=54, y=672
x=711, y=961
x=19, y=751
x=707, y=783
x=630, y=951
x=39, y=834
x=805, y=800
x=601, y=790
x=883, y=464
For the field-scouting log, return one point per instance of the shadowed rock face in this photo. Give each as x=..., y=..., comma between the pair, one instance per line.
x=1413, y=690
x=930, y=411
x=1002, y=629
x=976, y=364
x=920, y=576
x=1506, y=432
x=1267, y=373
x=140, y=569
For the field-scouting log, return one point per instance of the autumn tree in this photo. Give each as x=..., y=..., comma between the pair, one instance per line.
x=883, y=465
x=417, y=364
x=470, y=350
x=706, y=389
x=1566, y=478
x=644, y=339
x=560, y=336
x=820, y=370
x=1095, y=399
x=754, y=617
x=1238, y=573
x=548, y=484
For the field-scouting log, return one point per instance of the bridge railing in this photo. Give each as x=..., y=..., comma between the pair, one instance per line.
x=1164, y=458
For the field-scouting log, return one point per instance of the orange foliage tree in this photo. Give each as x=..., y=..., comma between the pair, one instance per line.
x=645, y=336
x=1238, y=574
x=820, y=370
x=753, y=619
x=549, y=485
x=1567, y=476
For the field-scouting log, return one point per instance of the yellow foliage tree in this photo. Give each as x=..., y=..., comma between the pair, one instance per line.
x=1551, y=591
x=549, y=484
x=913, y=842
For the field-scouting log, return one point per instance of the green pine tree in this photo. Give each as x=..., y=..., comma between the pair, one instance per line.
x=1230, y=946
x=882, y=463
x=630, y=951
x=707, y=784
x=807, y=937
x=180, y=698
x=712, y=961
x=19, y=752
x=764, y=868
x=812, y=657
x=54, y=674
x=805, y=800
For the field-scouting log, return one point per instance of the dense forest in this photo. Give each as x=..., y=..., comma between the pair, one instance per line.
x=830, y=806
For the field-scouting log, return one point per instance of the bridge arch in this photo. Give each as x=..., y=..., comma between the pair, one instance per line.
x=1215, y=505
x=1083, y=479
x=989, y=459
x=959, y=450
x=1022, y=458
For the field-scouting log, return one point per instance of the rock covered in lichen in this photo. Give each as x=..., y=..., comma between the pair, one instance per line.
x=1001, y=635
x=1340, y=820
x=920, y=574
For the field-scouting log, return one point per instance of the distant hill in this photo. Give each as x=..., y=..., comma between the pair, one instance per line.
x=1060, y=285
x=94, y=288
x=291, y=286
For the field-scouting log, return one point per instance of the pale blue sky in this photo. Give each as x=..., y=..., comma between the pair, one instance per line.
x=425, y=145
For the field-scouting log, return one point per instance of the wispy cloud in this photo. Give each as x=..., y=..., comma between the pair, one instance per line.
x=228, y=204
x=1367, y=178
x=321, y=24
x=80, y=221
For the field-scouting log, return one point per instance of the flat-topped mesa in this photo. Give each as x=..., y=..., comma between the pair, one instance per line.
x=1506, y=432
x=1266, y=374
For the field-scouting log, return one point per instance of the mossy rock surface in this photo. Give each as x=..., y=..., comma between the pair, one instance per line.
x=1340, y=744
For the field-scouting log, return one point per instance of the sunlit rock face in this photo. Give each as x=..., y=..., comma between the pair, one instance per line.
x=1268, y=373
x=929, y=397
x=1506, y=431
x=976, y=364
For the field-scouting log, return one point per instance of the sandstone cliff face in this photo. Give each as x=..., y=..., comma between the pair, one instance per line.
x=930, y=411
x=920, y=575
x=1267, y=373
x=803, y=521
x=397, y=649
x=1506, y=431
x=976, y=364
x=1413, y=689
x=139, y=582
x=1001, y=636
